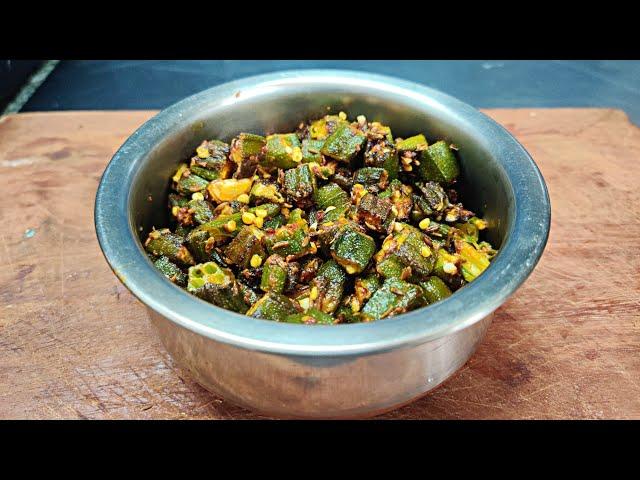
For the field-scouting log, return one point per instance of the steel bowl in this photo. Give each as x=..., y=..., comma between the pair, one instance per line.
x=339, y=371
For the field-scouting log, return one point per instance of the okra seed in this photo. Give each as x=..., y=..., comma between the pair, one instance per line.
x=243, y=198
x=258, y=222
x=424, y=224
x=248, y=218
x=197, y=196
x=203, y=152
x=256, y=261
x=230, y=226
x=313, y=295
x=449, y=268
x=425, y=251
x=261, y=212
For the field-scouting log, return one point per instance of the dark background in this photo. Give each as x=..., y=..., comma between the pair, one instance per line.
x=150, y=84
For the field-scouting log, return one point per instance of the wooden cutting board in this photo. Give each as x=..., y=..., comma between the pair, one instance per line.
x=75, y=344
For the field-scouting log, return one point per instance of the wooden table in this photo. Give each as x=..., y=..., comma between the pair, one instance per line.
x=75, y=344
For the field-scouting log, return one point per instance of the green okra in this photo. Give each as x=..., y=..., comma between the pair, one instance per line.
x=245, y=146
x=249, y=296
x=171, y=271
x=434, y=290
x=439, y=163
x=283, y=150
x=390, y=267
x=383, y=154
x=247, y=151
x=263, y=191
x=394, y=297
x=313, y=316
x=300, y=185
x=216, y=285
x=311, y=151
x=352, y=249
x=211, y=155
x=290, y=240
x=321, y=129
x=331, y=195
x=375, y=212
x=273, y=306
x=366, y=286
x=329, y=286
x=473, y=261
x=344, y=314
x=208, y=175
x=164, y=243
x=412, y=144
x=274, y=274
x=191, y=183
x=344, y=143
x=176, y=200
x=244, y=246
x=274, y=222
x=374, y=179
x=415, y=252
x=201, y=210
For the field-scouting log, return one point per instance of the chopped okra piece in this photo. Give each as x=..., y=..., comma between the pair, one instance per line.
x=171, y=271
x=376, y=213
x=216, y=285
x=438, y=163
x=164, y=243
x=352, y=249
x=245, y=146
x=190, y=183
x=390, y=267
x=300, y=185
x=273, y=306
x=344, y=144
x=244, y=246
x=374, y=179
x=311, y=151
x=394, y=297
x=177, y=201
x=412, y=144
x=345, y=314
x=290, y=241
x=249, y=296
x=211, y=161
x=434, y=290
x=313, y=316
x=322, y=128
x=274, y=274
x=283, y=150
x=334, y=223
x=200, y=210
x=331, y=195
x=400, y=196
x=365, y=287
x=383, y=154
x=473, y=262
x=327, y=287
x=415, y=252
x=247, y=151
x=263, y=191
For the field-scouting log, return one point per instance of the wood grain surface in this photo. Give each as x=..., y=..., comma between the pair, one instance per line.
x=75, y=344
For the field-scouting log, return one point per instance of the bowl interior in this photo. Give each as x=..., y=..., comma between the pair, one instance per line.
x=484, y=186
x=500, y=182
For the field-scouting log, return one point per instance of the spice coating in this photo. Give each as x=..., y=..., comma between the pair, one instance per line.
x=337, y=222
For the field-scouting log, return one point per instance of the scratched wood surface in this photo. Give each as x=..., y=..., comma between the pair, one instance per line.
x=75, y=344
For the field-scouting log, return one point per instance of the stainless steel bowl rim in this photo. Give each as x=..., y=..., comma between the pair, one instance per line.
x=519, y=253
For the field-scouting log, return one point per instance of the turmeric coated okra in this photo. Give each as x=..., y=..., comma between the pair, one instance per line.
x=337, y=222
